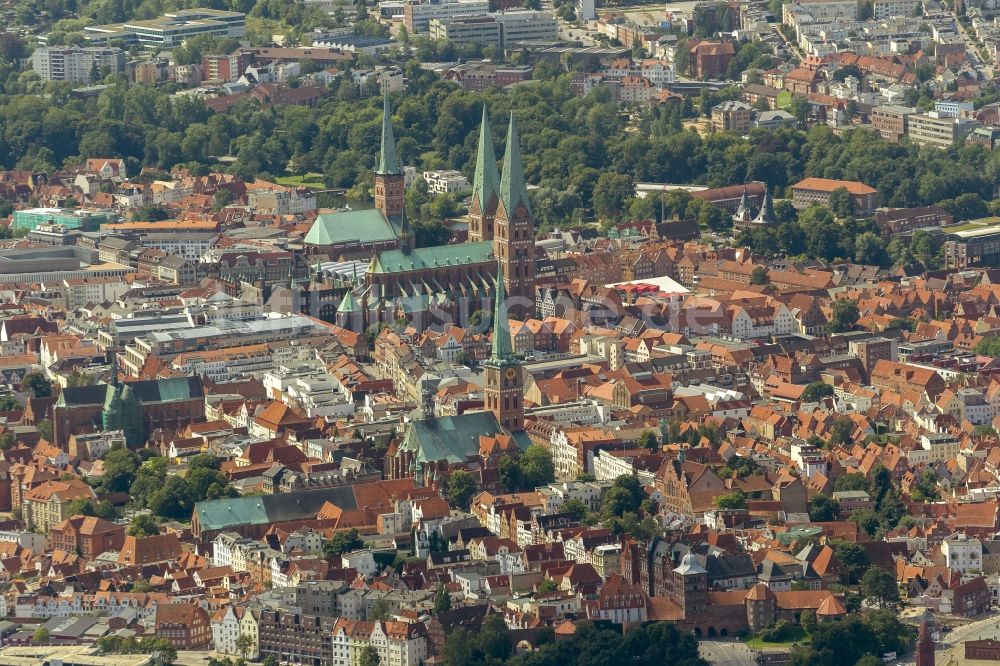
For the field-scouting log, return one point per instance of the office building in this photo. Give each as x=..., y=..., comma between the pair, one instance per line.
x=417, y=15
x=891, y=121
x=585, y=10
x=172, y=28
x=972, y=247
x=499, y=29
x=940, y=131
x=476, y=30
x=77, y=64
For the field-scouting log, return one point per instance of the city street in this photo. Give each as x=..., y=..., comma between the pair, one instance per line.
x=728, y=653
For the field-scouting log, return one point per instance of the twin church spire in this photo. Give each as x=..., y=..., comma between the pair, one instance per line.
x=500, y=213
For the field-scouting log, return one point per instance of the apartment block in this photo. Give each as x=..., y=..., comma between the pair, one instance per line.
x=76, y=64
x=732, y=117
x=883, y=9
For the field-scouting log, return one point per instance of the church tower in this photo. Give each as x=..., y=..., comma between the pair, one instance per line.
x=389, y=187
x=514, y=230
x=485, y=186
x=502, y=374
x=925, y=646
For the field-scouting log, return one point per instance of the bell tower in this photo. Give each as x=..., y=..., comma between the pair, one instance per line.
x=485, y=186
x=389, y=180
x=503, y=389
x=514, y=230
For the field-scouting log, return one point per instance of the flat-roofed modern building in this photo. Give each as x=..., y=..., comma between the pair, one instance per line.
x=940, y=131
x=973, y=246
x=173, y=28
x=417, y=15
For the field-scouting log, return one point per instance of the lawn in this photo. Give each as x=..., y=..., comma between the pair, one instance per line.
x=310, y=180
x=794, y=634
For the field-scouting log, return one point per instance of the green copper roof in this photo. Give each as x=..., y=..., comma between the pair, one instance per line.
x=348, y=304
x=453, y=438
x=362, y=226
x=486, y=184
x=512, y=188
x=503, y=349
x=388, y=165
x=424, y=258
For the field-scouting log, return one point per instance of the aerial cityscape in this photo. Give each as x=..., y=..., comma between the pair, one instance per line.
x=499, y=332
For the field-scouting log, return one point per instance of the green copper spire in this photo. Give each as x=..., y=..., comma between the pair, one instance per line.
x=503, y=349
x=513, y=191
x=487, y=180
x=388, y=165
x=348, y=304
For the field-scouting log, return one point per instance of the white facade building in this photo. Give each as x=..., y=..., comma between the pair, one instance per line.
x=76, y=64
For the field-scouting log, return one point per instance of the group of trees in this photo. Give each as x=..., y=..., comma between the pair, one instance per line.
x=575, y=149
x=526, y=471
x=170, y=496
x=856, y=639
x=163, y=652
x=889, y=510
x=531, y=469
x=592, y=644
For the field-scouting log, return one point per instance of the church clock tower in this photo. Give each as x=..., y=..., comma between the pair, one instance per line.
x=503, y=389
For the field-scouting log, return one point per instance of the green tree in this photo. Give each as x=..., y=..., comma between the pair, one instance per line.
x=816, y=391
x=173, y=500
x=461, y=489
x=344, y=541
x=868, y=520
x=547, y=586
x=143, y=525
x=45, y=429
x=844, y=316
x=576, y=508
x=852, y=481
x=41, y=636
x=381, y=611
x=853, y=558
x=759, y=276
x=624, y=496
x=120, y=467
x=735, y=500
x=369, y=655
x=38, y=384
x=841, y=203
x=988, y=345
x=823, y=509
x=840, y=431
x=244, y=644
x=647, y=440
x=878, y=587
x=442, y=600
x=149, y=478
x=537, y=466
x=808, y=621
x=612, y=194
